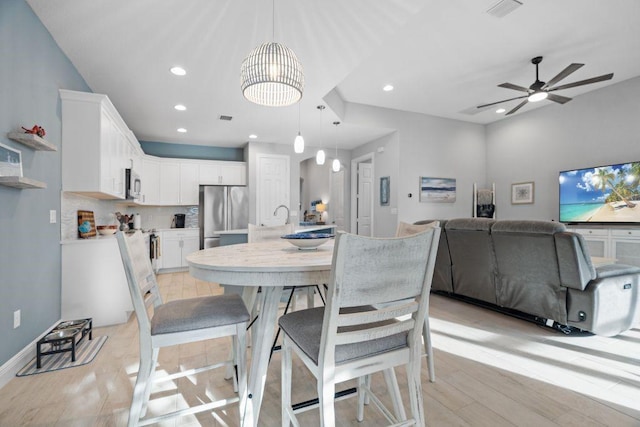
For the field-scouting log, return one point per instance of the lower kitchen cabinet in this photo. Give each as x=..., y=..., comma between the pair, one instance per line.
x=94, y=283
x=176, y=245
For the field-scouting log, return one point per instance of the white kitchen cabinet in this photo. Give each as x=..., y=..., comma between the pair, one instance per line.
x=176, y=245
x=94, y=283
x=150, y=181
x=96, y=146
x=189, y=183
x=169, y=183
x=223, y=173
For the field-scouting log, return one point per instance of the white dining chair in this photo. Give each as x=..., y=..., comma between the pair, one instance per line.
x=405, y=229
x=179, y=322
x=373, y=318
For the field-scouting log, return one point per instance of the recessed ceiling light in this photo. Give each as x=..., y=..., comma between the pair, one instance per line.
x=180, y=107
x=500, y=110
x=387, y=88
x=178, y=71
x=182, y=130
x=253, y=136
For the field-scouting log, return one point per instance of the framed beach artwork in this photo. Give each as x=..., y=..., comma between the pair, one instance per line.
x=522, y=193
x=384, y=190
x=437, y=190
x=10, y=161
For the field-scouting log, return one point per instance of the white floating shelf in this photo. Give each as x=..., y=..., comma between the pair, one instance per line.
x=32, y=140
x=21, y=182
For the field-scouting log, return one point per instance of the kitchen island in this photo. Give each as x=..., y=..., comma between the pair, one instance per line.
x=233, y=237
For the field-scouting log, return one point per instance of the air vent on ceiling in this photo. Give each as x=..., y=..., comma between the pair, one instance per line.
x=227, y=118
x=503, y=7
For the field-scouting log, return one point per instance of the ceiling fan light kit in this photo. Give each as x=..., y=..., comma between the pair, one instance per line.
x=540, y=90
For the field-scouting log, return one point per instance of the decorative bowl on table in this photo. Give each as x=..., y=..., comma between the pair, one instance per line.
x=107, y=230
x=307, y=240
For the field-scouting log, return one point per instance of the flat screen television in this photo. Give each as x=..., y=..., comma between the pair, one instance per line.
x=601, y=195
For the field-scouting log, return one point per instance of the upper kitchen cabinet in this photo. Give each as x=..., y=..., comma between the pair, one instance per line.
x=223, y=173
x=98, y=146
x=150, y=181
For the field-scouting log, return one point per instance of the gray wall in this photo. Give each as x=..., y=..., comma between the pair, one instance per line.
x=425, y=146
x=32, y=69
x=599, y=128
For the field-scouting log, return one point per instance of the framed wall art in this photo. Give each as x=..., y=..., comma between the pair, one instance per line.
x=522, y=193
x=10, y=161
x=385, y=190
x=438, y=190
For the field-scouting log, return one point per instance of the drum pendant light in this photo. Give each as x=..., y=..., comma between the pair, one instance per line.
x=272, y=75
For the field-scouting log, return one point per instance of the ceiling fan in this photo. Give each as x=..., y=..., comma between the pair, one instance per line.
x=540, y=90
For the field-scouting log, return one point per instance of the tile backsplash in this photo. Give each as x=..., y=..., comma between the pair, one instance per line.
x=157, y=217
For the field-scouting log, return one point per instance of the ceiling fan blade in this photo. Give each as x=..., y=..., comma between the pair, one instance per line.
x=514, y=87
x=500, y=102
x=557, y=98
x=564, y=73
x=584, y=82
x=517, y=107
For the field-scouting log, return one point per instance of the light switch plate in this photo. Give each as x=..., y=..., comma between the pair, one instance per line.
x=52, y=216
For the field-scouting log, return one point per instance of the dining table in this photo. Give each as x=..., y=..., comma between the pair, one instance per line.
x=270, y=265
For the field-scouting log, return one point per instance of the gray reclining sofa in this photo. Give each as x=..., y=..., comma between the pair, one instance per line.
x=536, y=270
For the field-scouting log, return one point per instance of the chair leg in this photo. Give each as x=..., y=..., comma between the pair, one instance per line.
x=426, y=336
x=394, y=392
x=415, y=387
x=285, y=386
x=143, y=383
x=361, y=396
x=326, y=397
x=240, y=341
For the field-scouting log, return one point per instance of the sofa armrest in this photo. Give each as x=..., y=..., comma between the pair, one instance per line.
x=574, y=261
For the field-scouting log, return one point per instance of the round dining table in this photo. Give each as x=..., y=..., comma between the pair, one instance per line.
x=271, y=265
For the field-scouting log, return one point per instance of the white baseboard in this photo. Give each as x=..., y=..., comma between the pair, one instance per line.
x=9, y=370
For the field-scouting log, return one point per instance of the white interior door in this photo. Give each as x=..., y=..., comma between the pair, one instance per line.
x=273, y=188
x=336, y=206
x=364, y=199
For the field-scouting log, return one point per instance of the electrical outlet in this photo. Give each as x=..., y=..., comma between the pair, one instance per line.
x=16, y=319
x=52, y=216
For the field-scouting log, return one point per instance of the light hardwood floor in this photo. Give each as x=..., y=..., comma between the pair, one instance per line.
x=492, y=370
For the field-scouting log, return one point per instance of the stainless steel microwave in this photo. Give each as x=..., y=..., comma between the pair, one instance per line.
x=133, y=183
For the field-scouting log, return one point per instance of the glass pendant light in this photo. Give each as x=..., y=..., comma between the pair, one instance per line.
x=335, y=166
x=320, y=154
x=298, y=143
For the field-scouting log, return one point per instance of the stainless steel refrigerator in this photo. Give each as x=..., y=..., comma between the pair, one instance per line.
x=222, y=208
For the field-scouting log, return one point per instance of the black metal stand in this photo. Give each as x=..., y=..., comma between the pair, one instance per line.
x=64, y=338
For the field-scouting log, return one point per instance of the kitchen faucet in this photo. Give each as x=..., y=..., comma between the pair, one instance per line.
x=276, y=212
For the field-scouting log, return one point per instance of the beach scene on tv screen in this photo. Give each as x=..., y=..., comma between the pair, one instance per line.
x=601, y=194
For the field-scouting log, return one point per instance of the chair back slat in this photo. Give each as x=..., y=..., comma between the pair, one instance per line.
x=141, y=279
x=380, y=288
x=372, y=333
x=378, y=315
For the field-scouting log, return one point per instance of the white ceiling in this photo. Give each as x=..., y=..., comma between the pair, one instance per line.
x=443, y=58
